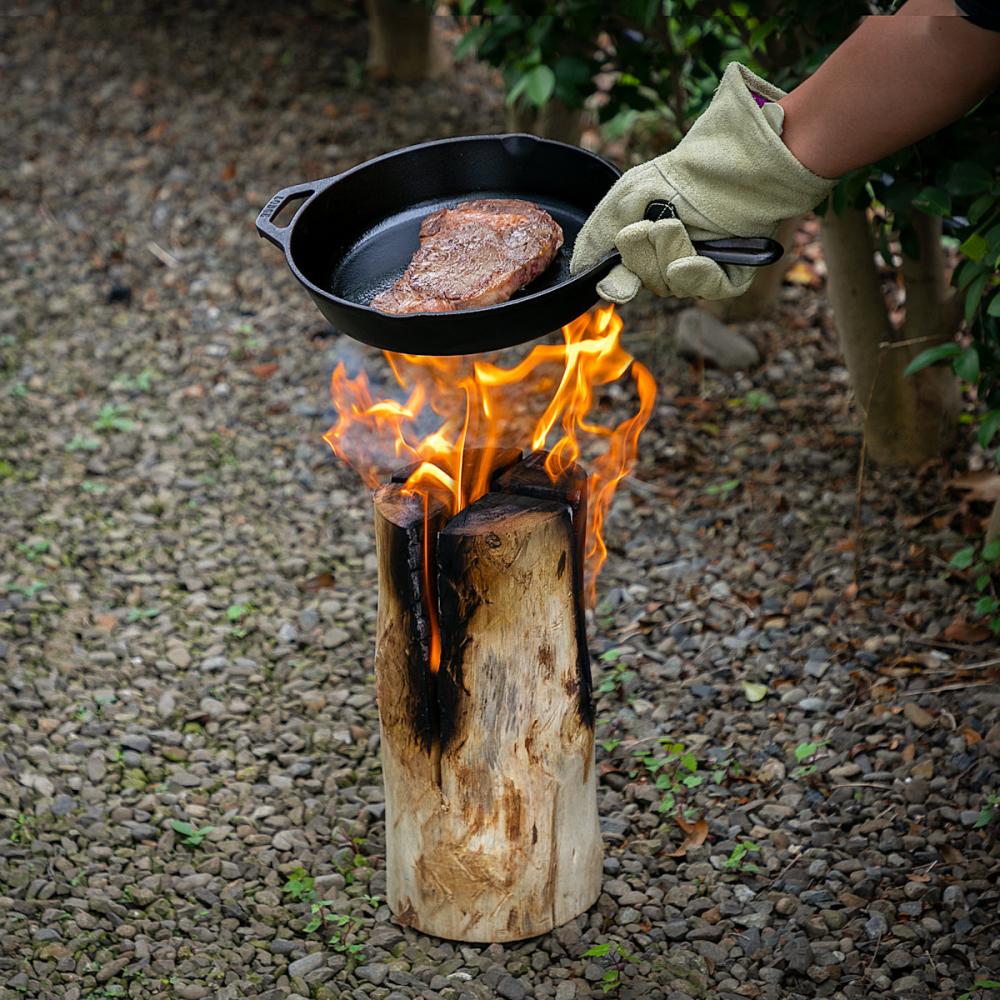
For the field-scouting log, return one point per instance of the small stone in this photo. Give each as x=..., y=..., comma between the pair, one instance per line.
x=303, y=966
x=920, y=717
x=898, y=959
x=876, y=926
x=699, y=335
x=179, y=656
x=813, y=705
x=136, y=742
x=374, y=974
x=510, y=989
x=62, y=805
x=798, y=954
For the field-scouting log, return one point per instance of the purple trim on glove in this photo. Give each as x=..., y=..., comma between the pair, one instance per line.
x=761, y=101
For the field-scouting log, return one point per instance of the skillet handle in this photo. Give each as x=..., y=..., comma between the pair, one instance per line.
x=278, y=235
x=750, y=251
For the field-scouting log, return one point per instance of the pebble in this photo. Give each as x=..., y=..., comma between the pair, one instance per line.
x=309, y=963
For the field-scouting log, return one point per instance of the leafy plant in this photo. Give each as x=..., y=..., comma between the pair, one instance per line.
x=985, y=567
x=737, y=857
x=722, y=489
x=619, y=674
x=80, y=442
x=141, y=614
x=988, y=812
x=619, y=955
x=110, y=418
x=804, y=755
x=979, y=984
x=300, y=886
x=36, y=549
x=674, y=771
x=142, y=382
x=192, y=836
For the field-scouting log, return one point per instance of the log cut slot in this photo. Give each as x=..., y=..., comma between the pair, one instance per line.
x=491, y=802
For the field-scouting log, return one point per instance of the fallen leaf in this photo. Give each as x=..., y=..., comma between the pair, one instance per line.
x=266, y=370
x=155, y=132
x=922, y=877
x=802, y=273
x=321, y=581
x=106, y=623
x=694, y=836
x=962, y=631
x=850, y=592
x=951, y=854
x=982, y=485
x=228, y=172
x=971, y=736
x=754, y=692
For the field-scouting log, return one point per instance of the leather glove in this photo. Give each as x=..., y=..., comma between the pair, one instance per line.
x=731, y=175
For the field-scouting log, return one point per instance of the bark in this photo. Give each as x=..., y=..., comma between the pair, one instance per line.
x=491, y=799
x=760, y=298
x=403, y=44
x=993, y=527
x=907, y=420
x=552, y=121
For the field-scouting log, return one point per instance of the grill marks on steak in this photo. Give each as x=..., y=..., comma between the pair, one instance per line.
x=478, y=253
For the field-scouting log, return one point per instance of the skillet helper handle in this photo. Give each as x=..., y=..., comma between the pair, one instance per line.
x=278, y=235
x=750, y=251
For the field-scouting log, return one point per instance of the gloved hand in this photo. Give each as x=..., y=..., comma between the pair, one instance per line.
x=731, y=175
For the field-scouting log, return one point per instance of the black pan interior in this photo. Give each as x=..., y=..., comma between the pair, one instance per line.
x=356, y=237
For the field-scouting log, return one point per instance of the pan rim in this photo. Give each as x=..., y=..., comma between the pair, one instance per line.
x=324, y=184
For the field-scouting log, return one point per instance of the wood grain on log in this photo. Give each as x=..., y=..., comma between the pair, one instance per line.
x=491, y=823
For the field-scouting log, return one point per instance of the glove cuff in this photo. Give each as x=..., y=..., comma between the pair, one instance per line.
x=733, y=168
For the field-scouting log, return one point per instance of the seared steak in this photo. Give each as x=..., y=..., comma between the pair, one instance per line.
x=475, y=254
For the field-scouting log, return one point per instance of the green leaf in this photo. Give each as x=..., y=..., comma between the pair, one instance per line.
x=754, y=692
x=939, y=352
x=963, y=558
x=314, y=924
x=967, y=365
x=985, y=817
x=804, y=751
x=179, y=826
x=974, y=247
x=992, y=551
x=537, y=85
x=994, y=307
x=598, y=950
x=934, y=201
x=968, y=177
x=973, y=295
x=980, y=207
x=989, y=427
x=986, y=606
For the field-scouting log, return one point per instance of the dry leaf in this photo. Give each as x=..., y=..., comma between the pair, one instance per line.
x=962, y=631
x=321, y=581
x=106, y=623
x=802, y=273
x=951, y=854
x=982, y=485
x=265, y=370
x=694, y=835
x=228, y=172
x=922, y=877
x=971, y=736
x=754, y=692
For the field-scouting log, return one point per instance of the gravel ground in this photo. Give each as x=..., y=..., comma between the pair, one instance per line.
x=188, y=597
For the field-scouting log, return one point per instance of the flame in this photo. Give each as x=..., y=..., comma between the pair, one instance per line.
x=458, y=413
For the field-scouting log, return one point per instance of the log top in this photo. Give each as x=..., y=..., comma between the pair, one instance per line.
x=404, y=510
x=510, y=511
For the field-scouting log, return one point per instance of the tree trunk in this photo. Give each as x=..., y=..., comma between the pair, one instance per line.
x=760, y=297
x=402, y=42
x=993, y=527
x=906, y=419
x=552, y=121
x=491, y=797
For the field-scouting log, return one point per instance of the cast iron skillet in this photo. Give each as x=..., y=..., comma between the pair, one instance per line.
x=355, y=233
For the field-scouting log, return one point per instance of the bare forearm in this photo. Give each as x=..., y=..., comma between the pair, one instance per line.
x=894, y=81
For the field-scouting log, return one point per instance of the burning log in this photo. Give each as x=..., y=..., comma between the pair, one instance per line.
x=483, y=684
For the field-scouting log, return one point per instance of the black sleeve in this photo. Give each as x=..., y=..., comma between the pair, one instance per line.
x=984, y=13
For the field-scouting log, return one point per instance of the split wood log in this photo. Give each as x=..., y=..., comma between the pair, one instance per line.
x=491, y=798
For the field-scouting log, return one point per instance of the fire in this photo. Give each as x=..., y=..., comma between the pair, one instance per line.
x=457, y=413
